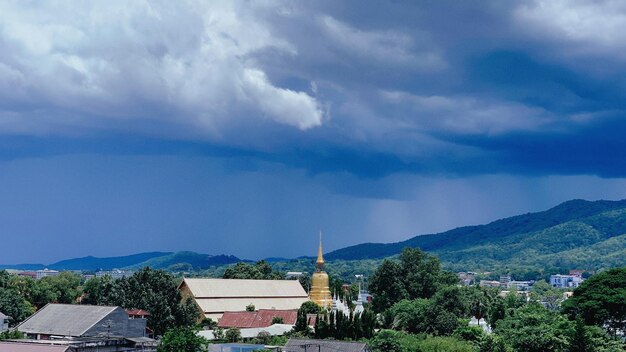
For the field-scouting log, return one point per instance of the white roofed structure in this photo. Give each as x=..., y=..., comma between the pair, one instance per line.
x=216, y=296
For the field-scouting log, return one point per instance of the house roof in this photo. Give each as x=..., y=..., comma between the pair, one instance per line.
x=303, y=345
x=216, y=296
x=258, y=319
x=232, y=288
x=64, y=319
x=3, y=316
x=139, y=312
x=30, y=347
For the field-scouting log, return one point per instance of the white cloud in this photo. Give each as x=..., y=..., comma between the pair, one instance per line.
x=186, y=63
x=592, y=28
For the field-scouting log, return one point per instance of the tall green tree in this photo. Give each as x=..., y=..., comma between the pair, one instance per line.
x=601, y=300
x=14, y=305
x=387, y=286
x=533, y=328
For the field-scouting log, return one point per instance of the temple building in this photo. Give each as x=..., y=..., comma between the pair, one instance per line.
x=320, y=291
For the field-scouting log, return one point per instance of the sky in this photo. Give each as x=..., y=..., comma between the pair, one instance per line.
x=246, y=127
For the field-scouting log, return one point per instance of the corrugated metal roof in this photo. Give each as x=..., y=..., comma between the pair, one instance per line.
x=64, y=319
x=303, y=345
x=221, y=305
x=257, y=319
x=219, y=288
x=29, y=347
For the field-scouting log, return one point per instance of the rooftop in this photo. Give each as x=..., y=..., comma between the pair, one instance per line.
x=64, y=319
x=29, y=347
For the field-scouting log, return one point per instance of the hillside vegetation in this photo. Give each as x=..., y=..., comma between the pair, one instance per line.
x=575, y=234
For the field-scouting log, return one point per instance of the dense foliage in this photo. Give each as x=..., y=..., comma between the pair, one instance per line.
x=182, y=339
x=261, y=270
x=152, y=290
x=601, y=300
x=415, y=275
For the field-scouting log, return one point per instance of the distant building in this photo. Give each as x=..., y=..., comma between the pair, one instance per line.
x=466, y=278
x=521, y=285
x=115, y=273
x=257, y=319
x=309, y=345
x=577, y=272
x=505, y=280
x=31, y=274
x=295, y=274
x=4, y=322
x=63, y=321
x=216, y=296
x=45, y=273
x=137, y=314
x=565, y=281
x=488, y=283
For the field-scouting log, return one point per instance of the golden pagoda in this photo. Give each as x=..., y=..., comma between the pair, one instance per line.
x=320, y=291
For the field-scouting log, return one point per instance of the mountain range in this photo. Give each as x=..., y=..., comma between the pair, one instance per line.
x=156, y=260
x=575, y=234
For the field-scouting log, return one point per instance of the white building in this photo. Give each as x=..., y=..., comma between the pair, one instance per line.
x=565, y=281
x=45, y=272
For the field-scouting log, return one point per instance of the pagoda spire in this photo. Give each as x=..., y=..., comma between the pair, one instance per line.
x=320, y=255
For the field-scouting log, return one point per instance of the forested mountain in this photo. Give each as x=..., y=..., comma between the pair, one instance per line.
x=576, y=233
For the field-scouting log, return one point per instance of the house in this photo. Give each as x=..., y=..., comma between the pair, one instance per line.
x=257, y=319
x=307, y=345
x=214, y=297
x=58, y=321
x=4, y=322
x=30, y=347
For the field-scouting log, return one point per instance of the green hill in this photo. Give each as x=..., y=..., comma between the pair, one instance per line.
x=93, y=263
x=186, y=261
x=575, y=234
